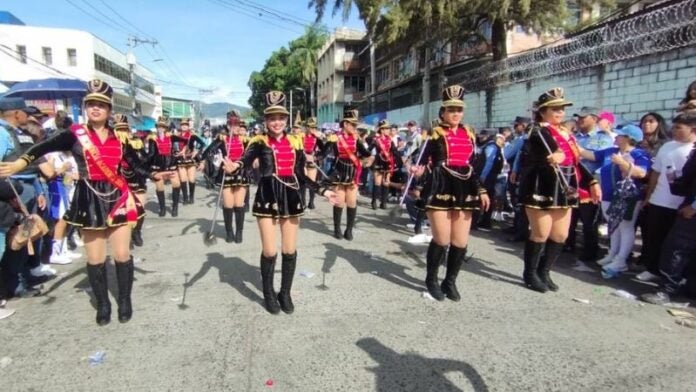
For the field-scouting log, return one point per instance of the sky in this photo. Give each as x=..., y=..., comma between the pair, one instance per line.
x=203, y=44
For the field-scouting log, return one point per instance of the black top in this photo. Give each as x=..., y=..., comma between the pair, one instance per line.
x=686, y=184
x=66, y=141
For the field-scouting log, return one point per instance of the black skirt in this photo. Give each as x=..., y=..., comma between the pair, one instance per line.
x=185, y=162
x=541, y=188
x=91, y=211
x=344, y=173
x=136, y=183
x=163, y=163
x=278, y=197
x=241, y=177
x=443, y=190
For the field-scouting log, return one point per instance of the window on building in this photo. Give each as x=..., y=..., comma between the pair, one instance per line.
x=22, y=54
x=354, y=84
x=72, y=57
x=382, y=75
x=47, y=55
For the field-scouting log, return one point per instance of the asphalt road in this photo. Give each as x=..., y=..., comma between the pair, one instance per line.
x=361, y=322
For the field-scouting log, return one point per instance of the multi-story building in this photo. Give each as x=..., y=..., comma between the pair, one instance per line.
x=33, y=52
x=341, y=79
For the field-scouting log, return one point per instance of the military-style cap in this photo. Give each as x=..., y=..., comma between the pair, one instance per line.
x=275, y=103
x=99, y=91
x=121, y=122
x=552, y=98
x=163, y=121
x=186, y=121
x=453, y=96
x=312, y=122
x=383, y=124
x=350, y=115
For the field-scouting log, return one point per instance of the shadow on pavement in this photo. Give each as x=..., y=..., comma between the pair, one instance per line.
x=233, y=271
x=413, y=372
x=375, y=265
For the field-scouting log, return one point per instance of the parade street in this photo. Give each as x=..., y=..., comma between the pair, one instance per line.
x=361, y=321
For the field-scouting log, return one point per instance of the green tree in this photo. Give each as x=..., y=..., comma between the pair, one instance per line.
x=288, y=69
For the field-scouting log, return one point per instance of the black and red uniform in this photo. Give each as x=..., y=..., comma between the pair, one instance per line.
x=348, y=149
x=281, y=166
x=387, y=161
x=102, y=197
x=452, y=183
x=231, y=147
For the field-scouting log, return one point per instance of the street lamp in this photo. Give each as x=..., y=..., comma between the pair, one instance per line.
x=291, y=90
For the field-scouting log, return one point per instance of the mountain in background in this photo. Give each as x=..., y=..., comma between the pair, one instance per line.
x=220, y=109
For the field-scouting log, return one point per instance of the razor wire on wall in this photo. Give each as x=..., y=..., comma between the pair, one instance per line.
x=656, y=31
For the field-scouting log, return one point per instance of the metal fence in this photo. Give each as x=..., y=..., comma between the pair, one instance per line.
x=651, y=32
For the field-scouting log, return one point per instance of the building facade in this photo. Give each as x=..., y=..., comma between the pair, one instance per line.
x=341, y=79
x=32, y=52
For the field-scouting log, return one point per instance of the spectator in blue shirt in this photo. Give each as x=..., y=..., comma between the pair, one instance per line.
x=625, y=160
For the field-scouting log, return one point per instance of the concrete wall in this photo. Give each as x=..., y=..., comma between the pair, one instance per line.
x=628, y=88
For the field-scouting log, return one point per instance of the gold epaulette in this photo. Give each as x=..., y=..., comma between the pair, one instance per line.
x=136, y=143
x=470, y=131
x=259, y=139
x=295, y=141
x=222, y=137
x=437, y=133
x=332, y=138
x=122, y=136
x=151, y=136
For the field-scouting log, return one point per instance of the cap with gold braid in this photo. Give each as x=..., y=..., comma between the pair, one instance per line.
x=312, y=122
x=99, y=91
x=121, y=122
x=383, y=124
x=163, y=121
x=298, y=121
x=453, y=96
x=350, y=115
x=275, y=103
x=553, y=97
x=186, y=121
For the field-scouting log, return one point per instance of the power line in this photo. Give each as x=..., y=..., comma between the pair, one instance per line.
x=247, y=13
x=112, y=26
x=126, y=20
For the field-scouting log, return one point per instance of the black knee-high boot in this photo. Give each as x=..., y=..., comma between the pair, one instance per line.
x=383, y=197
x=455, y=258
x=532, y=254
x=312, y=193
x=161, y=201
x=175, y=202
x=228, y=215
x=269, y=295
x=351, y=212
x=376, y=190
x=434, y=257
x=551, y=253
x=337, y=212
x=239, y=224
x=100, y=289
x=184, y=192
x=192, y=189
x=246, y=201
x=124, y=277
x=287, y=275
x=137, y=235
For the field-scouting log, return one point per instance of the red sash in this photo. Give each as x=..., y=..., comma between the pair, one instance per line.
x=352, y=157
x=126, y=201
x=572, y=152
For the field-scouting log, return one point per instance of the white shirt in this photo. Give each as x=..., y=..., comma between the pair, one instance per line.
x=672, y=154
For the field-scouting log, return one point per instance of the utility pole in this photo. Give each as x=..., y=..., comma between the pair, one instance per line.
x=199, y=115
x=134, y=41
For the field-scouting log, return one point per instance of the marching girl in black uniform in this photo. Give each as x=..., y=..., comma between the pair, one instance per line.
x=349, y=150
x=103, y=206
x=137, y=182
x=189, y=147
x=235, y=185
x=161, y=156
x=451, y=192
x=311, y=143
x=552, y=179
x=386, y=162
x=277, y=202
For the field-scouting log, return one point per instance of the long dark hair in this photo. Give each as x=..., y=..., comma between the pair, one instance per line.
x=687, y=98
x=660, y=134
